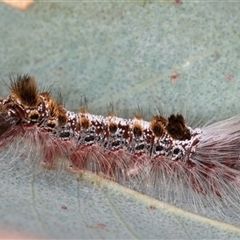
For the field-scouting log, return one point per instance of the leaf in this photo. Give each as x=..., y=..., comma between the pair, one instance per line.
x=153, y=55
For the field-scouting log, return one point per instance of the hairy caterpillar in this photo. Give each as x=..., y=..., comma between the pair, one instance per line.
x=165, y=153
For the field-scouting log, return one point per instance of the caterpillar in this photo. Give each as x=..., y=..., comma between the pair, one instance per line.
x=165, y=152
